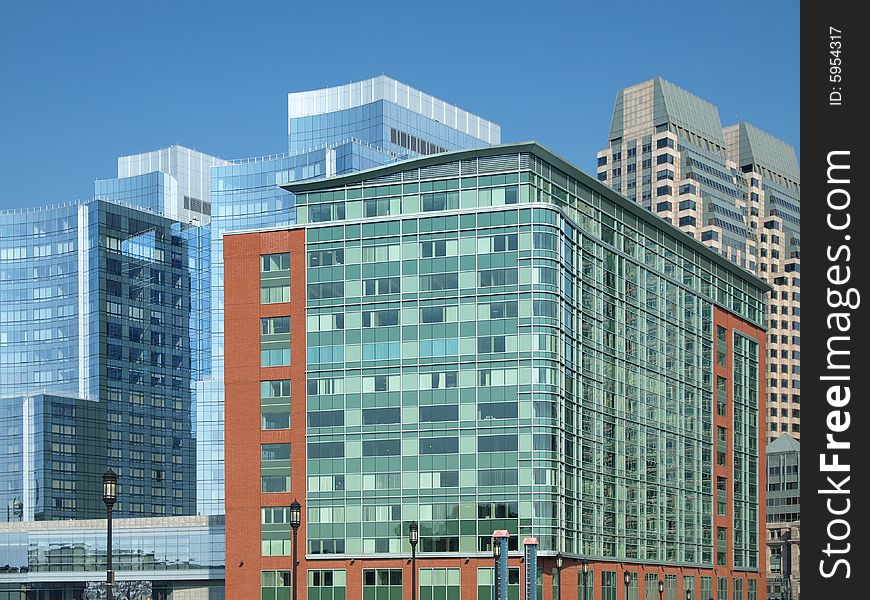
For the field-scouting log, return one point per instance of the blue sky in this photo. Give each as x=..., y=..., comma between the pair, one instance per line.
x=82, y=83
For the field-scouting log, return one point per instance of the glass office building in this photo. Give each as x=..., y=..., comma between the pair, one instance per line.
x=95, y=322
x=182, y=557
x=491, y=339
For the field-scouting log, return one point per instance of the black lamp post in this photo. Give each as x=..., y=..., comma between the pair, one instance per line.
x=559, y=562
x=295, y=521
x=413, y=538
x=661, y=588
x=585, y=576
x=110, y=496
x=496, y=553
x=689, y=594
x=626, y=578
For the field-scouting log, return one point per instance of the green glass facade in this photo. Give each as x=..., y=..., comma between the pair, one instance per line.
x=496, y=341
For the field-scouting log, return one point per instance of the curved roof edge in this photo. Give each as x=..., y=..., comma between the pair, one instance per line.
x=556, y=161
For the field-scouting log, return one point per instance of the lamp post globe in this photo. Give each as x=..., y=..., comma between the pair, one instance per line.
x=413, y=538
x=110, y=487
x=110, y=496
x=661, y=588
x=295, y=522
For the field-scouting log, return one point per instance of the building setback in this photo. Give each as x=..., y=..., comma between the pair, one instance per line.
x=482, y=340
x=736, y=189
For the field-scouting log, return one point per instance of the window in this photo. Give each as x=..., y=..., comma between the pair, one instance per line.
x=275, y=341
x=440, y=201
x=275, y=531
x=381, y=416
x=439, y=584
x=721, y=496
x=721, y=346
x=498, y=277
x=490, y=344
x=438, y=282
x=326, y=450
x=326, y=258
x=439, y=445
x=497, y=443
x=721, y=554
x=721, y=396
x=498, y=243
x=275, y=404
x=382, y=447
x=608, y=585
x=436, y=248
x=377, y=207
x=438, y=381
x=275, y=262
x=325, y=212
x=381, y=286
x=321, y=291
x=439, y=412
x=275, y=585
x=382, y=584
x=327, y=584
x=379, y=254
x=275, y=467
x=380, y=318
x=439, y=314
x=326, y=418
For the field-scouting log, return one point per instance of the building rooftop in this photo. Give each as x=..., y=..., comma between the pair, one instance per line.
x=554, y=160
x=358, y=93
x=784, y=443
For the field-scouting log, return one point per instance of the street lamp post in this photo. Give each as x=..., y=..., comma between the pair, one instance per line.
x=626, y=578
x=585, y=576
x=110, y=496
x=689, y=594
x=496, y=554
x=559, y=573
x=295, y=521
x=413, y=538
x=661, y=588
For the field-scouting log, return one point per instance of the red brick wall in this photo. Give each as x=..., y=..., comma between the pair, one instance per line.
x=731, y=323
x=242, y=376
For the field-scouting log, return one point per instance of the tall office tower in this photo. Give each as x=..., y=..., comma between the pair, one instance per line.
x=737, y=190
x=176, y=182
x=783, y=518
x=771, y=178
x=485, y=340
x=332, y=131
x=95, y=360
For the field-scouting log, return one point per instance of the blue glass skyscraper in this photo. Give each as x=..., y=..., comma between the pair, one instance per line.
x=95, y=364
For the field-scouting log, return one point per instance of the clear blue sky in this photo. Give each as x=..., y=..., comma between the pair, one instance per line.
x=84, y=82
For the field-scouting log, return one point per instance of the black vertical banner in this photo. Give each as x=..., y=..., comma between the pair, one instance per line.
x=835, y=253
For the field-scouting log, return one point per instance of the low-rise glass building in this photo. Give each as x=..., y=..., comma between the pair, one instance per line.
x=181, y=557
x=490, y=340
